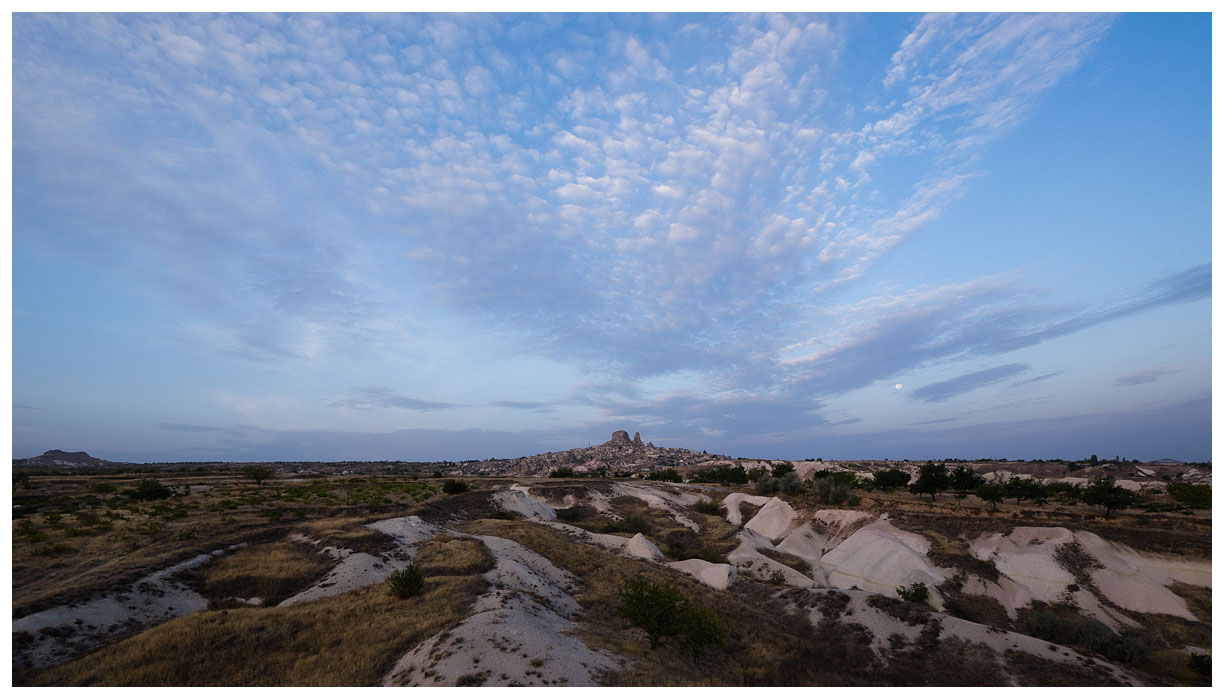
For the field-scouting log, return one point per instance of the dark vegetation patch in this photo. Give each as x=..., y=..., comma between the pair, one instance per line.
x=982, y=609
x=791, y=560
x=910, y=613
x=1037, y=671
x=940, y=662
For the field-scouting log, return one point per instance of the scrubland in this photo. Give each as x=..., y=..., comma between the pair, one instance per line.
x=78, y=537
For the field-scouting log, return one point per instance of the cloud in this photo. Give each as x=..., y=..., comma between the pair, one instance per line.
x=947, y=389
x=370, y=397
x=1144, y=376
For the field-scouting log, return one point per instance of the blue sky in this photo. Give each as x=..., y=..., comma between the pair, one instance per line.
x=426, y=236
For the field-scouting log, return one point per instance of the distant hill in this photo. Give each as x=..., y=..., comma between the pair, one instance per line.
x=65, y=460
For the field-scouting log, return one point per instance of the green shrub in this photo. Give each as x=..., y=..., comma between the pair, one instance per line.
x=914, y=593
x=767, y=484
x=1194, y=495
x=699, y=629
x=149, y=490
x=791, y=483
x=666, y=475
x=452, y=487
x=104, y=488
x=407, y=582
x=504, y=515
x=569, y=515
x=656, y=609
x=709, y=508
x=562, y=473
x=1202, y=664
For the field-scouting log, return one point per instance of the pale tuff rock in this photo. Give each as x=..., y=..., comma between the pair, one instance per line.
x=749, y=561
x=718, y=576
x=1029, y=559
x=517, y=500
x=773, y=520
x=639, y=546
x=733, y=501
x=879, y=558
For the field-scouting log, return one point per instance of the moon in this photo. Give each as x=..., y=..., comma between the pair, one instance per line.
x=897, y=386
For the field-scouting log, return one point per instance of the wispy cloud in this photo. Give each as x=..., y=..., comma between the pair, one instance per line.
x=366, y=398
x=1152, y=374
x=947, y=389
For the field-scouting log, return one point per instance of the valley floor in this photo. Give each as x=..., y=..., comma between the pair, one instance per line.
x=226, y=581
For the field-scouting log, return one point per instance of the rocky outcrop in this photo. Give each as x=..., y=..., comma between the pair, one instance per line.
x=619, y=439
x=638, y=440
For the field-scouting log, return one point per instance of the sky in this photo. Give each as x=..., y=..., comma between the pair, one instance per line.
x=420, y=237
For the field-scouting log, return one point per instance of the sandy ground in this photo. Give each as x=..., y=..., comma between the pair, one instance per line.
x=517, y=635
x=59, y=633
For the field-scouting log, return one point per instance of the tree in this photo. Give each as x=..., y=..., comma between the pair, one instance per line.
x=452, y=487
x=257, y=474
x=963, y=480
x=933, y=478
x=1103, y=492
x=791, y=483
x=149, y=490
x=992, y=493
x=657, y=610
x=890, y=479
x=1193, y=495
x=701, y=628
x=767, y=484
x=1093, y=460
x=562, y=473
x=781, y=469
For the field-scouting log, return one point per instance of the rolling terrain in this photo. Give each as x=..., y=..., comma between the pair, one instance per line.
x=221, y=578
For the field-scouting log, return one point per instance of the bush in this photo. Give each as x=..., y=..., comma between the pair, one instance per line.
x=767, y=485
x=149, y=490
x=104, y=488
x=832, y=492
x=570, y=514
x=914, y=593
x=791, y=483
x=663, y=612
x=700, y=628
x=452, y=487
x=655, y=609
x=562, y=473
x=666, y=475
x=407, y=582
x=709, y=508
x=1202, y=664
x=1194, y=495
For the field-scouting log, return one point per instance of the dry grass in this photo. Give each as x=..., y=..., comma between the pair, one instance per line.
x=454, y=556
x=347, y=640
x=95, y=539
x=271, y=572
